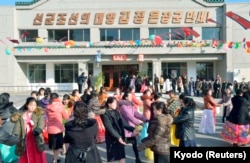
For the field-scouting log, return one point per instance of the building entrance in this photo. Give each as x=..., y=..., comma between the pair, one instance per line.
x=113, y=74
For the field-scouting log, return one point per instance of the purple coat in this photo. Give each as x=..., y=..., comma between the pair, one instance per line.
x=130, y=115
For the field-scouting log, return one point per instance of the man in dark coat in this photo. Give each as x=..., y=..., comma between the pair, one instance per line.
x=80, y=81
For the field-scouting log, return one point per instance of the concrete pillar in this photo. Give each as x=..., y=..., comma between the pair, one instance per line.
x=95, y=34
x=50, y=73
x=144, y=32
x=157, y=68
x=191, y=69
x=82, y=67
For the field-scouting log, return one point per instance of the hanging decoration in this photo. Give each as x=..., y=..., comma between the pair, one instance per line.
x=248, y=46
x=152, y=37
x=39, y=40
x=157, y=40
x=151, y=41
x=7, y=51
x=71, y=43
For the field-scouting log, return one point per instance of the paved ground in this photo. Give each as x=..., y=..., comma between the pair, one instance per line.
x=202, y=140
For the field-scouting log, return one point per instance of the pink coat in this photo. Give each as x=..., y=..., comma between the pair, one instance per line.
x=55, y=114
x=130, y=115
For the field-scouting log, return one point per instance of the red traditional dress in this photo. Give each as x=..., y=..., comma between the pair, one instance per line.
x=31, y=153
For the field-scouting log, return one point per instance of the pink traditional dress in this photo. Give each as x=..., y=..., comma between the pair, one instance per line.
x=31, y=153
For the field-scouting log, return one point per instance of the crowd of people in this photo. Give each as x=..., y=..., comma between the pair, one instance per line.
x=72, y=122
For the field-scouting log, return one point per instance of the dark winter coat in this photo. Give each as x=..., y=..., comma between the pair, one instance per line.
x=6, y=136
x=158, y=135
x=81, y=79
x=185, y=124
x=19, y=129
x=240, y=112
x=81, y=142
x=114, y=126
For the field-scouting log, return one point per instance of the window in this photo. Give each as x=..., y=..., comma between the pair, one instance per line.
x=171, y=33
x=57, y=35
x=37, y=73
x=129, y=34
x=173, y=69
x=109, y=34
x=204, y=70
x=124, y=34
x=64, y=35
x=210, y=33
x=28, y=35
x=66, y=73
x=79, y=35
x=150, y=71
x=90, y=68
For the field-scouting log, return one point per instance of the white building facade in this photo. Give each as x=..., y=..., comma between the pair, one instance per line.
x=49, y=43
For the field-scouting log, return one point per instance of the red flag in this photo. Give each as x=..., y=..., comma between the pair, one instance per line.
x=24, y=34
x=189, y=30
x=186, y=31
x=242, y=21
x=14, y=41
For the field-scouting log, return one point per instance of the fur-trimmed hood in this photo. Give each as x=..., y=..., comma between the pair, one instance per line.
x=16, y=116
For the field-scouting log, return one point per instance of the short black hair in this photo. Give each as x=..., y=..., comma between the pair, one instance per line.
x=182, y=96
x=239, y=91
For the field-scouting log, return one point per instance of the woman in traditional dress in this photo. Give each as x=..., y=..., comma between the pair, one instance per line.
x=29, y=125
x=236, y=128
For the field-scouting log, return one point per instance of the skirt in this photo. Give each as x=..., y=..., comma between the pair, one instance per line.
x=207, y=125
x=55, y=141
x=235, y=133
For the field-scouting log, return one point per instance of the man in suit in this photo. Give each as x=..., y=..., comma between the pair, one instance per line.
x=80, y=81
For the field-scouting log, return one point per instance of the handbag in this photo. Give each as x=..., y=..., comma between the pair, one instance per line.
x=100, y=136
x=174, y=141
x=45, y=136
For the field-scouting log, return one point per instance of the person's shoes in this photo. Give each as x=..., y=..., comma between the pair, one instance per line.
x=235, y=145
x=57, y=161
x=138, y=161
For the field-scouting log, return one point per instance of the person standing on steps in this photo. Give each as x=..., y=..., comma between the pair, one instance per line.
x=156, y=83
x=80, y=81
